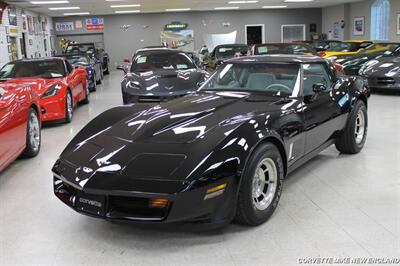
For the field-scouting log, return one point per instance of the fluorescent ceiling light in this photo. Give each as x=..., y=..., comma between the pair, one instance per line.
x=226, y=7
x=274, y=7
x=116, y=0
x=65, y=8
x=122, y=6
x=297, y=1
x=177, y=9
x=243, y=2
x=77, y=14
x=49, y=2
x=126, y=11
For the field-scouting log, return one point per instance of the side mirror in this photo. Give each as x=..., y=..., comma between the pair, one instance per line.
x=123, y=68
x=319, y=88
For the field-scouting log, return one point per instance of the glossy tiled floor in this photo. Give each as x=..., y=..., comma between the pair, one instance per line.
x=335, y=206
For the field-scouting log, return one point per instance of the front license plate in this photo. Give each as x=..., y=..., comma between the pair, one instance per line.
x=93, y=204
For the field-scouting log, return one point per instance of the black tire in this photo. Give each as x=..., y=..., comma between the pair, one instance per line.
x=94, y=88
x=69, y=113
x=106, y=71
x=33, y=135
x=348, y=142
x=247, y=213
x=87, y=93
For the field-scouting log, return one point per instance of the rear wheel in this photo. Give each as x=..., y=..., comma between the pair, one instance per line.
x=106, y=70
x=33, y=135
x=354, y=135
x=261, y=186
x=69, y=107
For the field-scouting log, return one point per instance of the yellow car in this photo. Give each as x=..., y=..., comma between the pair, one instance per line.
x=346, y=48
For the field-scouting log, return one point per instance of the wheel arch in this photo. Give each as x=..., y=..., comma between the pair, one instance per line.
x=277, y=142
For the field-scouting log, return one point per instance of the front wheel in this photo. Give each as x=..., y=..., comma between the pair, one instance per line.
x=354, y=135
x=33, y=135
x=69, y=107
x=87, y=93
x=261, y=186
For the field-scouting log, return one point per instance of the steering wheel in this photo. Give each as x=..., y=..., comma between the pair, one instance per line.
x=280, y=87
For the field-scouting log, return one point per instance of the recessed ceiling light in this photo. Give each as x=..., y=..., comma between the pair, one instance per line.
x=226, y=7
x=122, y=6
x=65, y=8
x=127, y=11
x=77, y=14
x=274, y=7
x=49, y=2
x=243, y=2
x=177, y=9
x=297, y=1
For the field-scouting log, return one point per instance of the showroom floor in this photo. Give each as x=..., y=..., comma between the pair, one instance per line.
x=334, y=206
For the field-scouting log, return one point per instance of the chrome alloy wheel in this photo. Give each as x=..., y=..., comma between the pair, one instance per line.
x=34, y=131
x=265, y=182
x=360, y=127
x=69, y=106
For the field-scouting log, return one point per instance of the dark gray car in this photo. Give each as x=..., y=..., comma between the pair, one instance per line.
x=159, y=75
x=382, y=73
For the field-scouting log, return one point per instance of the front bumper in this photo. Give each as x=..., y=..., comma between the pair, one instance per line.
x=191, y=205
x=53, y=108
x=382, y=83
x=129, y=98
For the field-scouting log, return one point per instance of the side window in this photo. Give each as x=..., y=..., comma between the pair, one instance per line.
x=315, y=74
x=69, y=67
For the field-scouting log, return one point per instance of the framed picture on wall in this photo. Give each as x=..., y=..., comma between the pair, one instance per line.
x=398, y=24
x=359, y=26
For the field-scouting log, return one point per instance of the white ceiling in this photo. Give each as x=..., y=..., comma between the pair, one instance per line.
x=101, y=7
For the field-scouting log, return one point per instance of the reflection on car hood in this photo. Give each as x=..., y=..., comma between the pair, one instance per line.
x=163, y=81
x=385, y=66
x=40, y=85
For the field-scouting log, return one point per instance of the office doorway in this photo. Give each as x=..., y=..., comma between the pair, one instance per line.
x=255, y=34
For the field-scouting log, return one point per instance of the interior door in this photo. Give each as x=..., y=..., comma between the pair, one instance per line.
x=321, y=110
x=254, y=34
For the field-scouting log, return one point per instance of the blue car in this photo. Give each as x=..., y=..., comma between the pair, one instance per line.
x=92, y=65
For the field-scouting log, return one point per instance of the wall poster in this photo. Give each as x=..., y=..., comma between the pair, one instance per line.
x=177, y=36
x=358, y=26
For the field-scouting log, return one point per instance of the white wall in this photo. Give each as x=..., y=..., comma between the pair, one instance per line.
x=35, y=47
x=359, y=9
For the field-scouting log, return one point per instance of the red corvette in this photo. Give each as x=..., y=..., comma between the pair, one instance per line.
x=59, y=85
x=19, y=123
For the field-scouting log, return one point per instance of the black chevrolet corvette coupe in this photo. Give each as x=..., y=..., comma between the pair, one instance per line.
x=160, y=74
x=219, y=154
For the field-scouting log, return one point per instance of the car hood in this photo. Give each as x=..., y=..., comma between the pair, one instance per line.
x=40, y=85
x=357, y=59
x=385, y=66
x=163, y=81
x=188, y=127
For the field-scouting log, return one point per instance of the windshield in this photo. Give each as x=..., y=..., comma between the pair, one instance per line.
x=161, y=61
x=78, y=60
x=380, y=48
x=327, y=45
x=231, y=51
x=279, y=79
x=348, y=47
x=283, y=49
x=41, y=69
x=80, y=48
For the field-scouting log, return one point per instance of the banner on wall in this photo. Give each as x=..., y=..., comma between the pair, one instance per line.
x=213, y=40
x=95, y=24
x=65, y=26
x=182, y=40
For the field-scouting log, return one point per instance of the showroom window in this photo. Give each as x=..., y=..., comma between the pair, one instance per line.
x=291, y=33
x=380, y=16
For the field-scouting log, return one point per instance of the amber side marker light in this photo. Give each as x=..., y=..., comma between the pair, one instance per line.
x=158, y=203
x=215, y=191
